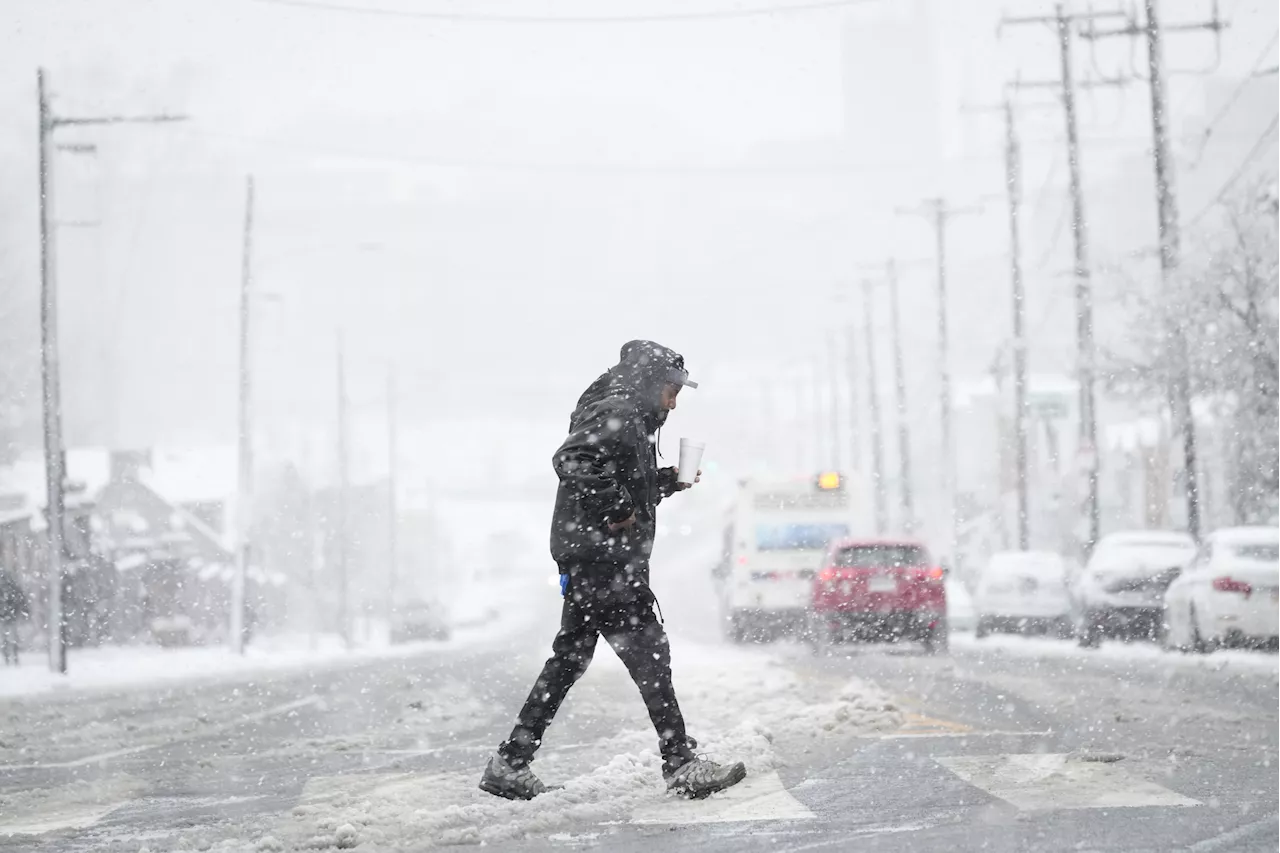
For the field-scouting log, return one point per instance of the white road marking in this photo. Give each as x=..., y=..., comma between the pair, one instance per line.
x=755, y=798
x=1051, y=781
x=104, y=757
x=911, y=735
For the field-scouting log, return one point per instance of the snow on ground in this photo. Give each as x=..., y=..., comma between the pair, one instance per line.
x=120, y=666
x=742, y=706
x=477, y=615
x=1241, y=659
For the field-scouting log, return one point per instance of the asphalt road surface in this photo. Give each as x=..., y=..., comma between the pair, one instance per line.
x=1008, y=744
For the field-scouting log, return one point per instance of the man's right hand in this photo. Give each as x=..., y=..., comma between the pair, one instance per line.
x=624, y=524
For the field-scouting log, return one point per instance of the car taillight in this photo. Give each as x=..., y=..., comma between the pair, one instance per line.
x=935, y=574
x=1225, y=584
x=827, y=575
x=742, y=561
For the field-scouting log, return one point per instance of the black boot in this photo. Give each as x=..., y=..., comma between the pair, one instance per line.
x=512, y=783
x=699, y=778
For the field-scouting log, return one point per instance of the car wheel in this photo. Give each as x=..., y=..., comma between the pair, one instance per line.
x=1088, y=632
x=983, y=628
x=821, y=636
x=1164, y=632
x=1199, y=644
x=737, y=630
x=937, y=640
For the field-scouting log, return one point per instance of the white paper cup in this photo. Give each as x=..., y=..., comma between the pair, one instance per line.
x=690, y=460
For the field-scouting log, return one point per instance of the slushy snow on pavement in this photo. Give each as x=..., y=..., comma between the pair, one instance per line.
x=741, y=705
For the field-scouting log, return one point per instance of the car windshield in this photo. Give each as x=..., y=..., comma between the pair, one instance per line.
x=1257, y=552
x=798, y=537
x=882, y=556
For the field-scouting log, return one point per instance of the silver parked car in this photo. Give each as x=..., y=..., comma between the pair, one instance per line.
x=419, y=620
x=1121, y=591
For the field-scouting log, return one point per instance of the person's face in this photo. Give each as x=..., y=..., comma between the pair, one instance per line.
x=667, y=400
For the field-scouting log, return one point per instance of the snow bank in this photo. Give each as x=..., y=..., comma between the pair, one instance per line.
x=1243, y=660
x=742, y=706
x=120, y=666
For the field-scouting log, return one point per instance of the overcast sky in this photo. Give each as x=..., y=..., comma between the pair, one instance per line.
x=493, y=208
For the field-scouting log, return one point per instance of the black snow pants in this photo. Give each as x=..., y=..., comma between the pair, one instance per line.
x=617, y=605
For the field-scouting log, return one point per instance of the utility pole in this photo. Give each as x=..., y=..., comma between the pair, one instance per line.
x=244, y=497
x=1013, y=180
x=344, y=614
x=1020, y=345
x=940, y=213
x=833, y=372
x=393, y=538
x=1167, y=219
x=821, y=458
x=851, y=386
x=51, y=398
x=873, y=407
x=1084, y=290
x=55, y=476
x=900, y=395
x=1086, y=358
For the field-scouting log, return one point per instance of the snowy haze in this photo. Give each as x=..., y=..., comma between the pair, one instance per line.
x=495, y=208
x=465, y=208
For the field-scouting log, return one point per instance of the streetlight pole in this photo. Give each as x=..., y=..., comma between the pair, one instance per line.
x=393, y=539
x=873, y=400
x=344, y=615
x=244, y=498
x=54, y=459
x=900, y=398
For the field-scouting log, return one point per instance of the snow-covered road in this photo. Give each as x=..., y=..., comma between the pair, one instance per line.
x=1012, y=745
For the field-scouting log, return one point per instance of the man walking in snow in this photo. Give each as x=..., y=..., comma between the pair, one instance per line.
x=602, y=533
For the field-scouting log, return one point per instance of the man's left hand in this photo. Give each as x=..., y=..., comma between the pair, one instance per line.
x=680, y=487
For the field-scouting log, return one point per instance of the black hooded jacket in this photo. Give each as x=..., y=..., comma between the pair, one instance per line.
x=608, y=466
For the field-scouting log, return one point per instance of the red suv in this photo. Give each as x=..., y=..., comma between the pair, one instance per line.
x=880, y=590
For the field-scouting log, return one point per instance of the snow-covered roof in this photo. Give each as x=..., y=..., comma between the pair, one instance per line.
x=1247, y=535
x=193, y=474
x=178, y=474
x=1130, y=435
x=9, y=516
x=1019, y=560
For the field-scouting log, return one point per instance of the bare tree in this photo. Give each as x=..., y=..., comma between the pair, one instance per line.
x=1226, y=304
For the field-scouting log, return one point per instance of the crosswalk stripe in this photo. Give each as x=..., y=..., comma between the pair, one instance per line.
x=1053, y=781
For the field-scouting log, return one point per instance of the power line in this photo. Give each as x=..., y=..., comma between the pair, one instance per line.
x=463, y=18
x=1240, y=170
x=1057, y=235
x=1234, y=97
x=568, y=167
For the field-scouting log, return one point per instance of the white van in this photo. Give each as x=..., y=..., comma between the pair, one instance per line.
x=1024, y=592
x=775, y=542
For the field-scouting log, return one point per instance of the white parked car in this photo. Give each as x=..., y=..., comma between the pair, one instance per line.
x=961, y=615
x=419, y=620
x=1121, y=591
x=1024, y=592
x=1230, y=593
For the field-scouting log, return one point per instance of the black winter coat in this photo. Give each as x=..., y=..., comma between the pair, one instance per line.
x=608, y=466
